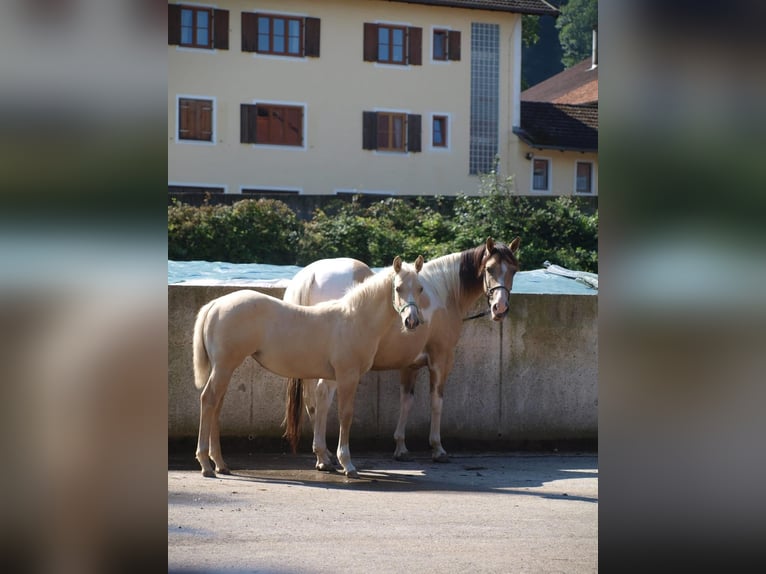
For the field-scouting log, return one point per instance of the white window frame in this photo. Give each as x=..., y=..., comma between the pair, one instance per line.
x=592, y=178
x=213, y=122
x=431, y=46
x=532, y=176
x=431, y=146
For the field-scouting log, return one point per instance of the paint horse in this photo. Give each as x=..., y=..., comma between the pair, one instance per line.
x=333, y=340
x=452, y=284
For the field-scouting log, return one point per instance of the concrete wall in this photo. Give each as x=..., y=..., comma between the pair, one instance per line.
x=532, y=378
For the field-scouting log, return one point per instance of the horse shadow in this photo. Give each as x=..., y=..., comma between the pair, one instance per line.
x=499, y=473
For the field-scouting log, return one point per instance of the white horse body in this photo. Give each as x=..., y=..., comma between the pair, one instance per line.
x=451, y=285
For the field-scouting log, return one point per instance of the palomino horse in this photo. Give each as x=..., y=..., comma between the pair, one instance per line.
x=333, y=340
x=452, y=284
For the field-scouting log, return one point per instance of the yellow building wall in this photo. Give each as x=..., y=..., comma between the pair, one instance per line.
x=562, y=172
x=336, y=88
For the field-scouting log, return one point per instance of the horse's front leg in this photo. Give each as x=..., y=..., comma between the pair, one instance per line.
x=347, y=386
x=406, y=399
x=325, y=390
x=438, y=377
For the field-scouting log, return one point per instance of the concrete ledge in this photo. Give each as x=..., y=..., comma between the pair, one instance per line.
x=531, y=379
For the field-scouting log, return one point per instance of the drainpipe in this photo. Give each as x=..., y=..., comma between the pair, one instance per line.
x=594, y=50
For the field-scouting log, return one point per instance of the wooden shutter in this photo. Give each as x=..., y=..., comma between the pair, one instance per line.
x=413, y=132
x=205, y=120
x=174, y=24
x=453, y=40
x=249, y=32
x=311, y=42
x=370, y=42
x=369, y=130
x=221, y=29
x=247, y=123
x=415, y=46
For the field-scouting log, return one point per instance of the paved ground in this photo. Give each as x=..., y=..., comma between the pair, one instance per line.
x=505, y=513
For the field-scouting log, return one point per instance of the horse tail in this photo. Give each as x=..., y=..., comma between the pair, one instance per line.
x=293, y=413
x=199, y=351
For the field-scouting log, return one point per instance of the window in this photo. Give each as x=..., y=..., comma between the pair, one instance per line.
x=197, y=27
x=391, y=131
x=391, y=44
x=439, y=131
x=583, y=177
x=273, y=124
x=195, y=119
x=540, y=177
x=280, y=35
x=485, y=98
x=446, y=45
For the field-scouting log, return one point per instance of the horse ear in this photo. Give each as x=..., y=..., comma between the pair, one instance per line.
x=515, y=245
x=419, y=263
x=490, y=245
x=397, y=264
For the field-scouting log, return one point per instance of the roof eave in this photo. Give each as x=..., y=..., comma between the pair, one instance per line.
x=551, y=11
x=527, y=139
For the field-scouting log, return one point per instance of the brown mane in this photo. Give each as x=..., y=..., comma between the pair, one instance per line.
x=472, y=263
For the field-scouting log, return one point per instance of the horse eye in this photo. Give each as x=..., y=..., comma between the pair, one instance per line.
x=420, y=289
x=398, y=288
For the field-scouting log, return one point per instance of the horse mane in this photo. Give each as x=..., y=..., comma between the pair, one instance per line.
x=368, y=288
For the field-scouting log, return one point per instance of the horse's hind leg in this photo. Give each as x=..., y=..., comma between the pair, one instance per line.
x=407, y=397
x=438, y=372
x=215, y=439
x=323, y=396
x=210, y=400
x=346, y=395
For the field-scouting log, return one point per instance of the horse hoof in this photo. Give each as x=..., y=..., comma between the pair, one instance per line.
x=443, y=457
x=224, y=470
x=324, y=467
x=208, y=474
x=403, y=457
x=352, y=473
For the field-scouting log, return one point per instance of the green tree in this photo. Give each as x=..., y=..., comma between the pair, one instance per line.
x=575, y=26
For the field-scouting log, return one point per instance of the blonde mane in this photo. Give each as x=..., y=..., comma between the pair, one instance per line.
x=443, y=275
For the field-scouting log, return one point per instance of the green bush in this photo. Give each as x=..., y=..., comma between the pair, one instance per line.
x=559, y=230
x=249, y=231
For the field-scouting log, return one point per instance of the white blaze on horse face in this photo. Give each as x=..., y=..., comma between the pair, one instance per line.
x=407, y=299
x=499, y=303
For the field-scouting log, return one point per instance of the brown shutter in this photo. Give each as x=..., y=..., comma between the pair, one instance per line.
x=453, y=40
x=370, y=42
x=174, y=24
x=415, y=51
x=205, y=115
x=413, y=132
x=311, y=41
x=369, y=130
x=221, y=29
x=249, y=32
x=247, y=123
x=183, y=119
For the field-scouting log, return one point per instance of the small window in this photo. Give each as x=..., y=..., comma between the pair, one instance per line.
x=391, y=44
x=195, y=119
x=540, y=168
x=439, y=131
x=446, y=45
x=584, y=177
x=272, y=124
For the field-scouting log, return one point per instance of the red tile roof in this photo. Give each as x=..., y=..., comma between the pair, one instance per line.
x=575, y=85
x=540, y=7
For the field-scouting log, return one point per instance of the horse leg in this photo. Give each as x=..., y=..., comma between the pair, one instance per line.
x=406, y=399
x=346, y=394
x=438, y=377
x=325, y=390
x=210, y=398
x=215, y=439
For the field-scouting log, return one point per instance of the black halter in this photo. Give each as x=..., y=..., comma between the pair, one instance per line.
x=488, y=293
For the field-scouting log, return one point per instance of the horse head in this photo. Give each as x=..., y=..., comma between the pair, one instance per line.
x=407, y=292
x=499, y=265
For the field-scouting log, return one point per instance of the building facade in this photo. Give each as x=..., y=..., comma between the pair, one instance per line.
x=333, y=97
